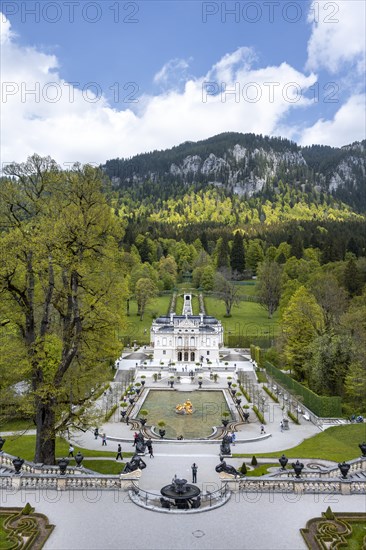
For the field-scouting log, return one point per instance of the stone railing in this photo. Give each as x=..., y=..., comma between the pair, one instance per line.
x=49, y=477
x=327, y=480
x=31, y=468
x=68, y=482
x=356, y=465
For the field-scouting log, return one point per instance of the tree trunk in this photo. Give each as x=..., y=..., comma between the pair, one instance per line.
x=45, y=439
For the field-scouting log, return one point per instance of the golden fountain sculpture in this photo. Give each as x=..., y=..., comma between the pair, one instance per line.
x=186, y=408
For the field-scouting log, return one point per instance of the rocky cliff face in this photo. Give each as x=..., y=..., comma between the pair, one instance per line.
x=244, y=163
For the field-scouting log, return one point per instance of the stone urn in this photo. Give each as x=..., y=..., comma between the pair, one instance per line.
x=361, y=445
x=63, y=464
x=18, y=463
x=298, y=467
x=246, y=416
x=161, y=433
x=79, y=458
x=344, y=468
x=283, y=460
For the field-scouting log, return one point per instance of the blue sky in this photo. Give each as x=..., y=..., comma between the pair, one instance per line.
x=113, y=78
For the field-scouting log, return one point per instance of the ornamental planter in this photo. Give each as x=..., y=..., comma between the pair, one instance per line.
x=344, y=468
x=298, y=467
x=18, y=463
x=283, y=460
x=79, y=458
x=361, y=445
x=63, y=464
x=161, y=433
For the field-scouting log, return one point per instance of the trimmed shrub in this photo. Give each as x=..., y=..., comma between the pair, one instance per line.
x=254, y=461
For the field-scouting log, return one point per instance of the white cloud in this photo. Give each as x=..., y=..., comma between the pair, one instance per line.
x=348, y=125
x=338, y=35
x=76, y=125
x=175, y=68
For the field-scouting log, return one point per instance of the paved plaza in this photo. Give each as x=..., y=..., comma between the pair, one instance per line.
x=108, y=519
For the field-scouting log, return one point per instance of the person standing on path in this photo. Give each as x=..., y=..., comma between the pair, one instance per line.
x=262, y=429
x=135, y=436
x=71, y=450
x=194, y=472
x=281, y=426
x=104, y=440
x=233, y=437
x=119, y=452
x=96, y=433
x=150, y=448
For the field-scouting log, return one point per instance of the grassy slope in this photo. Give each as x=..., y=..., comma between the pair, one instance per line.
x=140, y=330
x=337, y=443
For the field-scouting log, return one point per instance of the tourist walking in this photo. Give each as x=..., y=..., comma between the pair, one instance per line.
x=96, y=433
x=150, y=448
x=281, y=426
x=119, y=452
x=104, y=440
x=194, y=472
x=233, y=437
x=71, y=450
x=135, y=436
x=262, y=429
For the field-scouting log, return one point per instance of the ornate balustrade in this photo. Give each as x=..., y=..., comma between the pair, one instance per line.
x=49, y=477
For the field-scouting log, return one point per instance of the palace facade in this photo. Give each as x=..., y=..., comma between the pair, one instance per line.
x=186, y=339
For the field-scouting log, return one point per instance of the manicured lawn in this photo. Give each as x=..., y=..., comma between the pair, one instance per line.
x=16, y=425
x=262, y=469
x=24, y=446
x=104, y=466
x=140, y=330
x=337, y=443
x=248, y=319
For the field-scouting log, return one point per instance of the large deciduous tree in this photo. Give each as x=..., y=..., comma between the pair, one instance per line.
x=302, y=322
x=61, y=289
x=269, y=285
x=145, y=291
x=227, y=292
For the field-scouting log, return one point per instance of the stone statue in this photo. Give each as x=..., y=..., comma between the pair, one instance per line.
x=225, y=445
x=223, y=467
x=140, y=444
x=136, y=463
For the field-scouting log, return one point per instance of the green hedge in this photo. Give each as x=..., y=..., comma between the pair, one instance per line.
x=320, y=405
x=259, y=415
x=242, y=341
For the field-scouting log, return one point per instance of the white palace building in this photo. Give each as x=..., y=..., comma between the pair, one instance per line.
x=186, y=339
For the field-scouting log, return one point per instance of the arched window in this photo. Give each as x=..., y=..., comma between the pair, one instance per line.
x=192, y=341
x=179, y=355
x=186, y=355
x=179, y=340
x=192, y=356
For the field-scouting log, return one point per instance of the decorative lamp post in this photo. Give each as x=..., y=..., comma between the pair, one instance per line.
x=298, y=466
x=79, y=458
x=18, y=463
x=200, y=381
x=361, y=445
x=63, y=464
x=2, y=441
x=344, y=468
x=283, y=460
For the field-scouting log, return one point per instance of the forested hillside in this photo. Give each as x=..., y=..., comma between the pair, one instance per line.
x=245, y=166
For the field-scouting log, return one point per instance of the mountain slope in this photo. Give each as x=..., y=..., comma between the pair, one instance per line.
x=247, y=165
